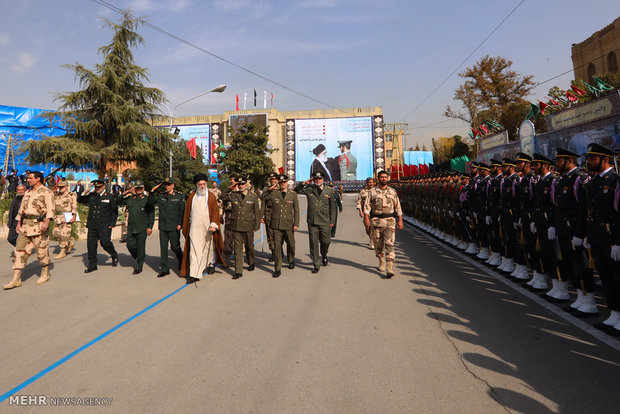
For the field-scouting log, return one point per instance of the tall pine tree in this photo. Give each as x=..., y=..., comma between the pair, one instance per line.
x=108, y=119
x=248, y=154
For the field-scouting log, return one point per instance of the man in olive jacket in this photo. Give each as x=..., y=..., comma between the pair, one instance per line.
x=140, y=224
x=245, y=220
x=322, y=213
x=284, y=221
x=171, y=207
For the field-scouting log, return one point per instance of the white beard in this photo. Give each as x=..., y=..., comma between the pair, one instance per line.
x=323, y=157
x=201, y=191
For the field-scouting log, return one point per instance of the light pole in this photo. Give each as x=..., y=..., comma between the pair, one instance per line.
x=218, y=89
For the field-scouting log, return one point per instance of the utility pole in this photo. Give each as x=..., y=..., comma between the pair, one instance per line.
x=396, y=132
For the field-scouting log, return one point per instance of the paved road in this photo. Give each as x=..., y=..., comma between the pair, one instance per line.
x=443, y=336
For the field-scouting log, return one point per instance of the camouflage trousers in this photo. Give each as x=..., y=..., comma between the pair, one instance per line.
x=62, y=233
x=26, y=244
x=383, y=235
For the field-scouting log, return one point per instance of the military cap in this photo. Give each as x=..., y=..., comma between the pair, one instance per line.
x=62, y=183
x=233, y=177
x=241, y=179
x=200, y=177
x=483, y=166
x=344, y=142
x=474, y=164
x=138, y=184
x=318, y=149
x=541, y=158
x=596, y=149
x=562, y=153
x=523, y=157
x=97, y=181
x=282, y=177
x=495, y=163
x=508, y=161
x=272, y=175
x=167, y=181
x=318, y=174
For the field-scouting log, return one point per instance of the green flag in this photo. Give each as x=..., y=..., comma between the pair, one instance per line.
x=592, y=89
x=534, y=111
x=601, y=85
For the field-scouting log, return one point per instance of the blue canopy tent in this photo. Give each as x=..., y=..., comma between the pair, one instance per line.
x=18, y=125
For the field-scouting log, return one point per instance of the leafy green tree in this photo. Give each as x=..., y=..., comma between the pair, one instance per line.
x=459, y=148
x=109, y=120
x=184, y=167
x=248, y=154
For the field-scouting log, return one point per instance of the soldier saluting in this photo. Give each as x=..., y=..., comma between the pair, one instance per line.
x=321, y=216
x=284, y=220
x=171, y=206
x=140, y=224
x=102, y=215
x=33, y=220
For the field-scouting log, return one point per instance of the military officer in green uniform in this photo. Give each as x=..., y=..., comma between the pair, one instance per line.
x=321, y=217
x=284, y=220
x=245, y=220
x=267, y=210
x=140, y=224
x=102, y=215
x=171, y=206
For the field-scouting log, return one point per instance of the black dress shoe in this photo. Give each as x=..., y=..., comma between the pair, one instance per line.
x=115, y=261
x=210, y=270
x=190, y=280
x=237, y=276
x=90, y=269
x=315, y=270
x=569, y=309
x=584, y=315
x=250, y=268
x=603, y=326
x=272, y=258
x=162, y=274
x=325, y=261
x=291, y=265
x=277, y=273
x=136, y=271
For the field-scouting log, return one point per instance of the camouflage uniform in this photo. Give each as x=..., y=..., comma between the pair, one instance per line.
x=361, y=199
x=37, y=205
x=382, y=206
x=63, y=203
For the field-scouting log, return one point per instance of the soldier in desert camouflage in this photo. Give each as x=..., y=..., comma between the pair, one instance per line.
x=65, y=213
x=33, y=220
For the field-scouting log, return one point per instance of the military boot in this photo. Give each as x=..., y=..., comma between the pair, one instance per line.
x=45, y=275
x=390, y=268
x=63, y=253
x=16, y=281
x=71, y=245
x=382, y=264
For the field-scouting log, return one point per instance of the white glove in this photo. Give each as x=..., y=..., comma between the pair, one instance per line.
x=551, y=233
x=499, y=219
x=516, y=226
x=615, y=253
x=468, y=219
x=577, y=241
x=451, y=213
x=488, y=220
x=586, y=244
x=533, y=227
x=476, y=216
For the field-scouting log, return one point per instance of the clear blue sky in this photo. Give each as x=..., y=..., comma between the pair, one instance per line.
x=339, y=52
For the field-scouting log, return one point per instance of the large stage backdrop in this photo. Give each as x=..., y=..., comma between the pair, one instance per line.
x=322, y=144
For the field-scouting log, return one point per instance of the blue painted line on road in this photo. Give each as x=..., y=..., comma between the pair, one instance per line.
x=85, y=346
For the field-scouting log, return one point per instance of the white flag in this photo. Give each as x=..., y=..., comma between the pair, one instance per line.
x=264, y=99
x=245, y=99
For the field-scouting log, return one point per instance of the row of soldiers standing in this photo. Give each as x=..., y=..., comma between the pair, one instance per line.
x=533, y=214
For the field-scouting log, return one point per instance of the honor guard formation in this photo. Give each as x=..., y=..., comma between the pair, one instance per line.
x=548, y=224
x=552, y=225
